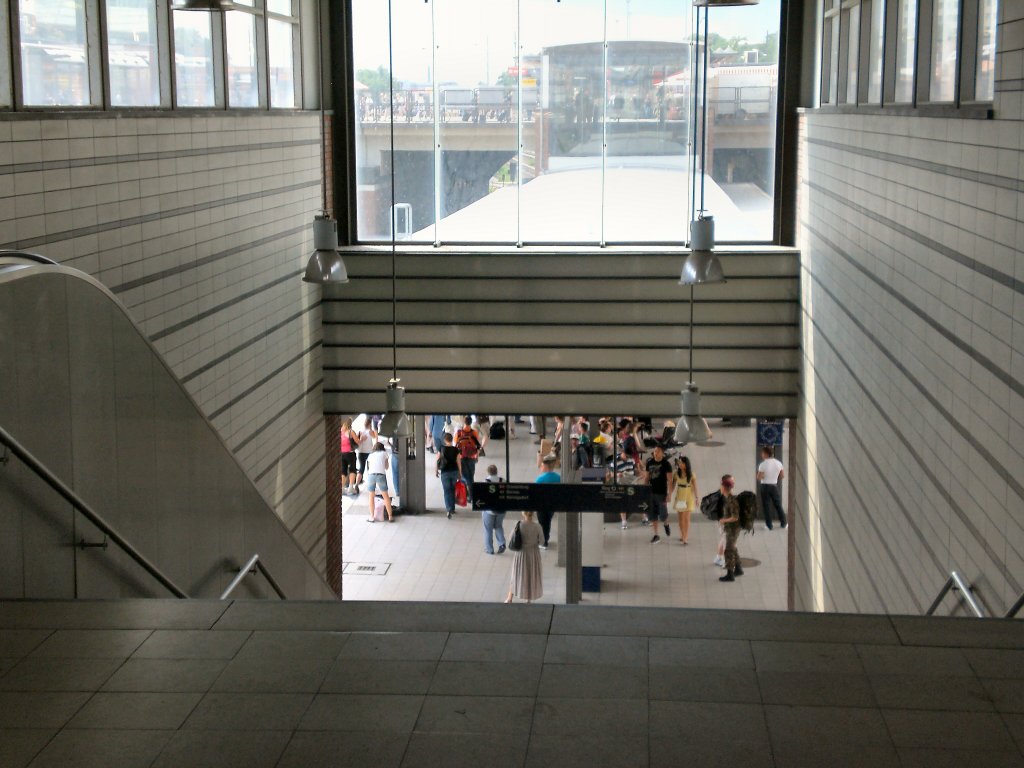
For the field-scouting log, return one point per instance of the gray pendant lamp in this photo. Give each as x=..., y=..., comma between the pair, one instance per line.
x=326, y=265
x=396, y=423
x=210, y=6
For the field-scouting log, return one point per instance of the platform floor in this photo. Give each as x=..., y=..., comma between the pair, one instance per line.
x=262, y=684
x=428, y=557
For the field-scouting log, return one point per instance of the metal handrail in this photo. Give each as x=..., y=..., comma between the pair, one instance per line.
x=28, y=256
x=1015, y=607
x=254, y=565
x=72, y=498
x=957, y=582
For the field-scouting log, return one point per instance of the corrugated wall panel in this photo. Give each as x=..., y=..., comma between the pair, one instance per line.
x=560, y=331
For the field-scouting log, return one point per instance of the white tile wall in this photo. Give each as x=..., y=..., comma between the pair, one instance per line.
x=140, y=203
x=912, y=258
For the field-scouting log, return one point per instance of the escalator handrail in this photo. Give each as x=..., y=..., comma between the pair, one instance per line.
x=72, y=498
x=28, y=256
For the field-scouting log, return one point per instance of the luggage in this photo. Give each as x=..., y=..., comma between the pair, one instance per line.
x=711, y=506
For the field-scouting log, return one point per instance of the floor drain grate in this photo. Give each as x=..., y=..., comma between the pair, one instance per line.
x=366, y=569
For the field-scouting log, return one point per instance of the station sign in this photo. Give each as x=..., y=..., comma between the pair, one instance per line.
x=558, y=497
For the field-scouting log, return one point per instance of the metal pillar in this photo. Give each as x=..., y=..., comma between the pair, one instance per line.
x=570, y=533
x=412, y=455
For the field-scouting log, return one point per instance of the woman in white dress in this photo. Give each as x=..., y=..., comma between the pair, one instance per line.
x=527, y=581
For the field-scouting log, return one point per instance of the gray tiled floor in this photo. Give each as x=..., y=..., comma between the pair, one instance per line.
x=501, y=686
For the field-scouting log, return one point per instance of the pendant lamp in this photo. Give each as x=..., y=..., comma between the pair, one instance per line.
x=395, y=422
x=210, y=6
x=326, y=264
x=692, y=427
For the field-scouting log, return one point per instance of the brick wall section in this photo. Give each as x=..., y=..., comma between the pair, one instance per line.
x=332, y=432
x=910, y=445
x=201, y=225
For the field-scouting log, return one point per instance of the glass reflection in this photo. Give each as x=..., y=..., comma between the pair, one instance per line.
x=54, y=67
x=193, y=59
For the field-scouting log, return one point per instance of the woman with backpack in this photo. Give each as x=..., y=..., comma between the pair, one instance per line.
x=467, y=441
x=685, y=500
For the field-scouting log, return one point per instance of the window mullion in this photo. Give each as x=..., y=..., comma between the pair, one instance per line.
x=96, y=55
x=967, y=51
x=923, y=57
x=220, y=62
x=6, y=61
x=164, y=54
x=262, y=56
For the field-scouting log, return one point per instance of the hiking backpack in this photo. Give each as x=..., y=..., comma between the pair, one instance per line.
x=467, y=443
x=497, y=430
x=711, y=506
x=747, y=502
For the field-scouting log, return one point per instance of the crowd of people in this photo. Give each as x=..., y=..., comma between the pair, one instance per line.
x=624, y=451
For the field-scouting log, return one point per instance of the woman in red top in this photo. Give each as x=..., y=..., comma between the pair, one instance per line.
x=349, y=442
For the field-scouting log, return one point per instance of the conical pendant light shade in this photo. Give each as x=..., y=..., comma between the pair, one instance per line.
x=326, y=264
x=203, y=5
x=691, y=427
x=701, y=267
x=395, y=422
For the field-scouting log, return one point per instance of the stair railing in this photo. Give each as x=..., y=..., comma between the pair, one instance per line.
x=252, y=567
x=88, y=512
x=957, y=583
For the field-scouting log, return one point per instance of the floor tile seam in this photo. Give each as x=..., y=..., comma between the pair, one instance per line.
x=1004, y=716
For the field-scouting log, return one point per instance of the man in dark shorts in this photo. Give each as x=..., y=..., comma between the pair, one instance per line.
x=658, y=474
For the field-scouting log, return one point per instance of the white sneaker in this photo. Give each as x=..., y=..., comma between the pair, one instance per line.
x=624, y=526
x=719, y=561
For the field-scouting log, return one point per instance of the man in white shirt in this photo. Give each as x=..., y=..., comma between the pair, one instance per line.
x=769, y=475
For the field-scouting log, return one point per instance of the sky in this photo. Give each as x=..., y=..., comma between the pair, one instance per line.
x=476, y=40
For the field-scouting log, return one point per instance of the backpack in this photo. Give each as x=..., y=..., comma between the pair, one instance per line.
x=467, y=443
x=748, y=509
x=497, y=430
x=711, y=506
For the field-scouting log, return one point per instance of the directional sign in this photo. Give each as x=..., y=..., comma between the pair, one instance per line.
x=507, y=497
x=769, y=432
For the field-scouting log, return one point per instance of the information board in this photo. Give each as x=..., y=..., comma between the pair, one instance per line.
x=769, y=432
x=570, y=497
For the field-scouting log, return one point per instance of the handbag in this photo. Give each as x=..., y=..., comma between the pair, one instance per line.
x=461, y=493
x=515, y=542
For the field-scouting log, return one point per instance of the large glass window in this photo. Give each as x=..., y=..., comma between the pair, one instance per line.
x=906, y=35
x=54, y=59
x=876, y=51
x=830, y=53
x=281, y=52
x=984, y=83
x=132, y=53
x=193, y=59
x=851, y=18
x=6, y=95
x=243, y=74
x=945, y=24
x=541, y=122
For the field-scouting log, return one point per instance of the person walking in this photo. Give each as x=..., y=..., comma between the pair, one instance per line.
x=769, y=475
x=527, y=581
x=367, y=439
x=685, y=498
x=493, y=521
x=467, y=441
x=436, y=427
x=349, y=442
x=730, y=523
x=449, y=467
x=549, y=475
x=377, y=480
x=658, y=474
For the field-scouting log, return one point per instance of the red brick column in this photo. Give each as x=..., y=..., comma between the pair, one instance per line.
x=332, y=433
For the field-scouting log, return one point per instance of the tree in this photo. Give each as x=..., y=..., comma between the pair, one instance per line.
x=377, y=80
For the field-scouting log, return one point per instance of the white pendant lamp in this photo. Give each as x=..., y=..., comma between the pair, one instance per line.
x=210, y=6
x=326, y=264
x=395, y=422
x=692, y=427
x=702, y=265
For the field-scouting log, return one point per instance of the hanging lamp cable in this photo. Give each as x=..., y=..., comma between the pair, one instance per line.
x=323, y=114
x=704, y=112
x=694, y=84
x=394, y=233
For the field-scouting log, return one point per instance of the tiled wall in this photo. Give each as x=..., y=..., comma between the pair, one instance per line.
x=910, y=450
x=201, y=225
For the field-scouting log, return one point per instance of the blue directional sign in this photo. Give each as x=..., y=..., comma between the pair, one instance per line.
x=769, y=432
